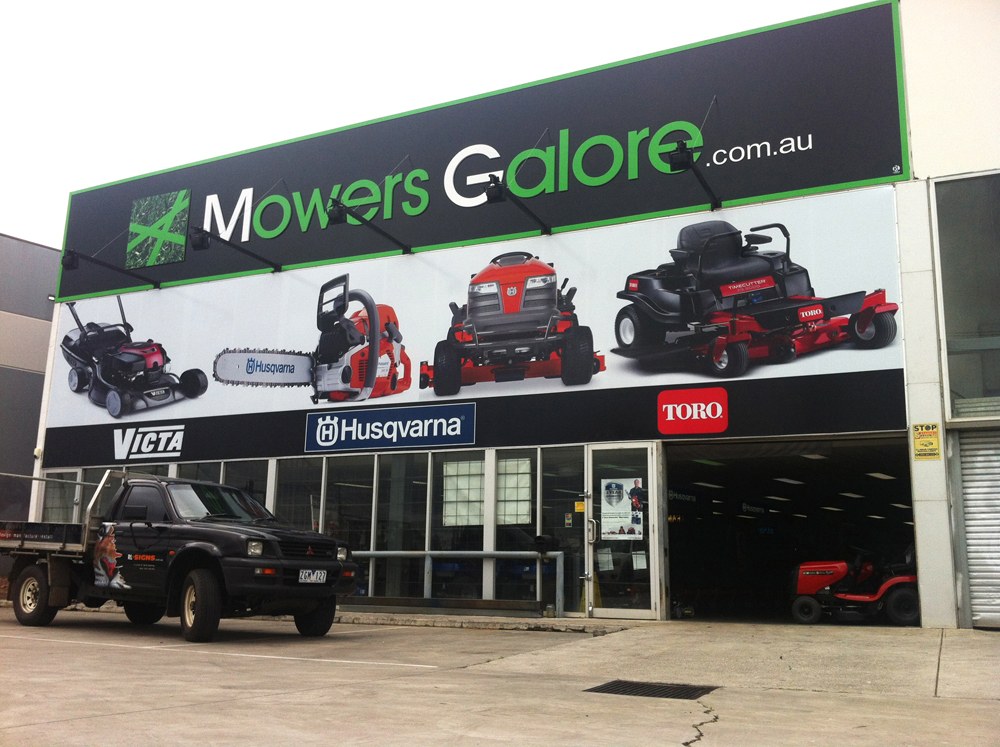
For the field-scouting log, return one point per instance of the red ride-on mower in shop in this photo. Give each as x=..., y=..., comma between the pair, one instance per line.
x=120, y=374
x=518, y=324
x=855, y=591
x=724, y=303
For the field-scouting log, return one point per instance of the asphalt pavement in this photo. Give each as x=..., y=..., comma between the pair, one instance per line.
x=92, y=677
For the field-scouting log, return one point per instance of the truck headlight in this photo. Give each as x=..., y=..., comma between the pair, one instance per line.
x=341, y=553
x=479, y=289
x=255, y=548
x=540, y=281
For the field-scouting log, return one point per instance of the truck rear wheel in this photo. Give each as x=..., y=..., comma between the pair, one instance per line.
x=201, y=606
x=31, y=597
x=317, y=623
x=143, y=613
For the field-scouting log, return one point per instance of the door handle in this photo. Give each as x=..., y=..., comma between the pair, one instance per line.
x=585, y=577
x=593, y=532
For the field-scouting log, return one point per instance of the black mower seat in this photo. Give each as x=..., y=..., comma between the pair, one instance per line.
x=719, y=245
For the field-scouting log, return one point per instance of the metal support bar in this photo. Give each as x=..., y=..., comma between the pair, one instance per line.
x=335, y=203
x=546, y=229
x=195, y=231
x=427, y=555
x=107, y=266
x=47, y=479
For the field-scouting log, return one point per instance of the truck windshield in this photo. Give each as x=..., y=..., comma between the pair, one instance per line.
x=215, y=501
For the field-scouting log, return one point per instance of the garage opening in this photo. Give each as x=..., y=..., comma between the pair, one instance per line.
x=742, y=516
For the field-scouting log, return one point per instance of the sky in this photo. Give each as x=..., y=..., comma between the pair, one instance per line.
x=98, y=92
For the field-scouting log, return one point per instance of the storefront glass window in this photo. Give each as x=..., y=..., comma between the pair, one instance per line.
x=516, y=530
x=968, y=215
x=401, y=524
x=348, y=511
x=457, y=522
x=207, y=471
x=563, y=519
x=59, y=497
x=250, y=476
x=297, y=499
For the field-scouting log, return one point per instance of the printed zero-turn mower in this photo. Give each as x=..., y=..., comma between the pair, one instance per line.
x=857, y=590
x=724, y=303
x=120, y=374
x=357, y=358
x=517, y=324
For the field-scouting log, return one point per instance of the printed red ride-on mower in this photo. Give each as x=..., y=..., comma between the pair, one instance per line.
x=855, y=591
x=120, y=374
x=724, y=303
x=517, y=324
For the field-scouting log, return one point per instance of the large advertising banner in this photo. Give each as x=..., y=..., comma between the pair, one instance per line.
x=799, y=290
x=806, y=107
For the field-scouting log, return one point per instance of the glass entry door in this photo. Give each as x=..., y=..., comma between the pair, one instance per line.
x=622, y=578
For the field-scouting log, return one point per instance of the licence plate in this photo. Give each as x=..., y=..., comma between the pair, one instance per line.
x=312, y=577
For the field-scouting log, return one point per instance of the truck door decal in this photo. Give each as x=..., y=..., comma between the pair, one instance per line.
x=106, y=570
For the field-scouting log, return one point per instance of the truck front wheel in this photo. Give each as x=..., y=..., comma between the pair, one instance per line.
x=317, y=623
x=31, y=597
x=201, y=606
x=143, y=613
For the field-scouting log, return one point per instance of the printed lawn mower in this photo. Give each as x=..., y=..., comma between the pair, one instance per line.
x=516, y=325
x=856, y=591
x=122, y=375
x=724, y=303
x=341, y=368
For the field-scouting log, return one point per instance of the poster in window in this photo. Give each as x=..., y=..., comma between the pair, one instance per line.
x=622, y=504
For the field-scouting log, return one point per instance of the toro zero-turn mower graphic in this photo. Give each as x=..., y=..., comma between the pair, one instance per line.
x=724, y=303
x=517, y=324
x=122, y=375
x=357, y=358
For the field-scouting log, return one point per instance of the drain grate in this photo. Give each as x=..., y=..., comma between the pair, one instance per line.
x=653, y=689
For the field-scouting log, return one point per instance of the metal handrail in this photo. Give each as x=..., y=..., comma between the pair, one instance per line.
x=428, y=556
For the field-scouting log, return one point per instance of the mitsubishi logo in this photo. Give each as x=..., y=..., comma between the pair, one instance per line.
x=310, y=551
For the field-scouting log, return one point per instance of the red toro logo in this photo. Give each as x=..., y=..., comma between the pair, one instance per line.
x=693, y=411
x=633, y=284
x=808, y=313
x=746, y=286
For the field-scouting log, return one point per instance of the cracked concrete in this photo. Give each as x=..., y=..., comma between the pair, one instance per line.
x=709, y=711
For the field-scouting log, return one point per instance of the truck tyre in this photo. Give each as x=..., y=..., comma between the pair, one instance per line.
x=806, y=611
x=879, y=332
x=902, y=605
x=31, y=597
x=577, y=356
x=317, y=623
x=143, y=613
x=201, y=606
x=447, y=369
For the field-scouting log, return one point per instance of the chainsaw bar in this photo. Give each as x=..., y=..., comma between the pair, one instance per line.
x=247, y=367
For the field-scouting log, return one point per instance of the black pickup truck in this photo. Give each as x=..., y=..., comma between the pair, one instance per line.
x=181, y=548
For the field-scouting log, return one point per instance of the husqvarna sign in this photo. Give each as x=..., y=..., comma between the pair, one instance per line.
x=396, y=428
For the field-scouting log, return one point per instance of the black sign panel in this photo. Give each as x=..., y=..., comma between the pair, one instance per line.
x=867, y=401
x=802, y=108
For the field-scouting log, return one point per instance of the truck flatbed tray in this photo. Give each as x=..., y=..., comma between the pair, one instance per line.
x=41, y=535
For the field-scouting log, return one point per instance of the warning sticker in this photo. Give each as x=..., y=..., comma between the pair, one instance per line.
x=926, y=441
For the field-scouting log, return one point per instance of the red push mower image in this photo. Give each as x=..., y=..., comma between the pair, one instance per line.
x=856, y=591
x=723, y=303
x=358, y=357
x=121, y=375
x=517, y=324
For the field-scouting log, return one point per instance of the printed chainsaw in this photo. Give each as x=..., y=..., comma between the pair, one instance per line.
x=357, y=358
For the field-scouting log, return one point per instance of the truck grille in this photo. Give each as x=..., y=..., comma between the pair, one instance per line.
x=308, y=549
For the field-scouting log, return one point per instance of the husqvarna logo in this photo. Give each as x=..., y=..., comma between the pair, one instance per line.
x=693, y=410
x=149, y=443
x=397, y=427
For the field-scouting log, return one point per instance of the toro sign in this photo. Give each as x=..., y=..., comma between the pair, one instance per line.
x=693, y=411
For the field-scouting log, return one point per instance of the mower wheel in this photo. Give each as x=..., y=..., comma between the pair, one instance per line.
x=194, y=383
x=79, y=379
x=732, y=363
x=881, y=330
x=118, y=403
x=577, y=356
x=783, y=353
x=447, y=369
x=806, y=611
x=902, y=605
x=632, y=327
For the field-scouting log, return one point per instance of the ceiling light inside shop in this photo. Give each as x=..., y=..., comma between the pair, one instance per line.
x=708, y=485
x=908, y=522
x=899, y=505
x=743, y=516
x=831, y=508
x=814, y=456
x=777, y=498
x=851, y=495
x=873, y=516
x=881, y=476
x=717, y=513
x=709, y=462
x=789, y=480
x=354, y=485
x=774, y=511
x=801, y=516
x=717, y=501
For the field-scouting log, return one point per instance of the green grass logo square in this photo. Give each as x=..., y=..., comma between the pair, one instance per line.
x=158, y=230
